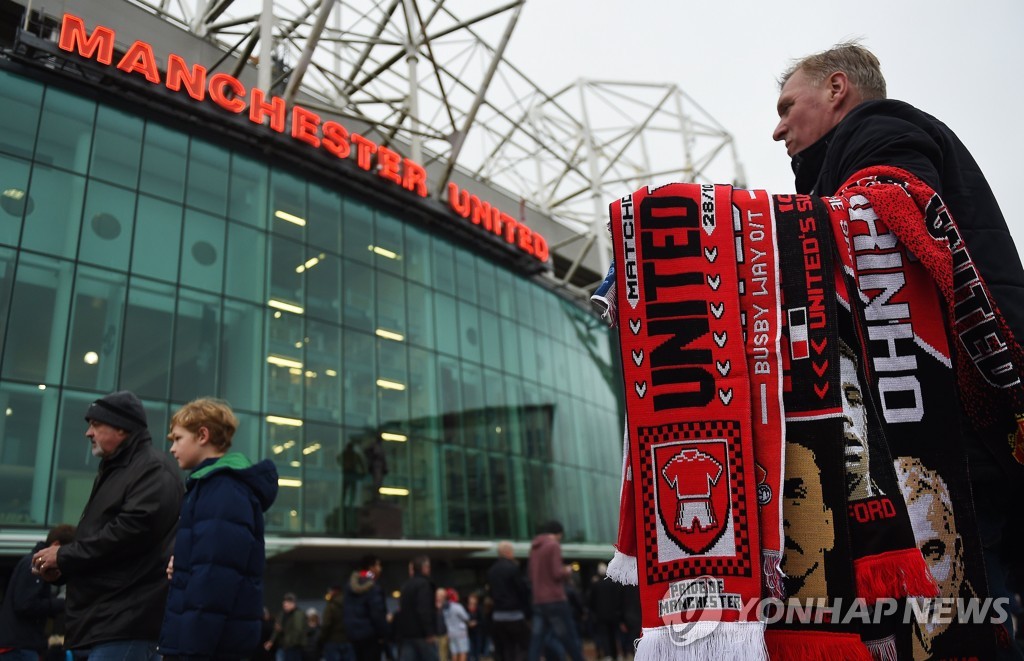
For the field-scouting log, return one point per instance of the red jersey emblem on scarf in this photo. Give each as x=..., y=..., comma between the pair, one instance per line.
x=693, y=492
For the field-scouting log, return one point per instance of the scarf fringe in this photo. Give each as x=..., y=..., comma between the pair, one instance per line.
x=721, y=641
x=788, y=645
x=900, y=573
x=622, y=569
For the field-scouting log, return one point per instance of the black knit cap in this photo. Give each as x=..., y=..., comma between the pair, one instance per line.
x=121, y=410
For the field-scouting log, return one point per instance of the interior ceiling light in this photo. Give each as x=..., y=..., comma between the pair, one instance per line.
x=282, y=361
x=383, y=252
x=287, y=307
x=280, y=420
x=389, y=436
x=390, y=385
x=309, y=263
x=390, y=335
x=291, y=218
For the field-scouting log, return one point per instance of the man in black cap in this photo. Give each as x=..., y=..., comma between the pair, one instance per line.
x=116, y=567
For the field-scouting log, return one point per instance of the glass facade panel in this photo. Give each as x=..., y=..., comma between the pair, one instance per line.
x=26, y=452
x=360, y=380
x=164, y=160
x=94, y=341
x=389, y=245
x=420, y=322
x=287, y=205
x=247, y=200
x=148, y=339
x=178, y=267
x=246, y=263
x=14, y=198
x=358, y=292
x=196, y=341
x=242, y=355
x=323, y=381
x=322, y=273
x=202, y=251
x=7, y=262
x=323, y=227
x=118, y=147
x=207, y=177
x=357, y=230
x=38, y=321
x=157, y=239
x=65, y=131
x=22, y=100
x=52, y=221
x=107, y=228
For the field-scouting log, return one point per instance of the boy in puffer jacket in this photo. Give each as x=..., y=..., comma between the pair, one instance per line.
x=215, y=602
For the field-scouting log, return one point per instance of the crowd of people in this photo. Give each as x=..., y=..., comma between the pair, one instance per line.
x=540, y=611
x=160, y=569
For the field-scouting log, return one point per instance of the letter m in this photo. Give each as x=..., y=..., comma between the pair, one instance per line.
x=74, y=38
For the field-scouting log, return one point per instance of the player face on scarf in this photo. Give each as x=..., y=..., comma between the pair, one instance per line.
x=807, y=524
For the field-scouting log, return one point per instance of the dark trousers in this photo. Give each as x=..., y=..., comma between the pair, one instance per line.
x=367, y=650
x=511, y=640
x=417, y=649
x=606, y=637
x=554, y=619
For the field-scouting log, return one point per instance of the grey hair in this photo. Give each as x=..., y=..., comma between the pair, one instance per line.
x=858, y=63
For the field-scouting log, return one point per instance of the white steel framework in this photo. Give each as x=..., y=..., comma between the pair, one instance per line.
x=432, y=74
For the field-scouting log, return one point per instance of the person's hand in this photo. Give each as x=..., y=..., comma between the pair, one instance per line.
x=267, y=645
x=170, y=568
x=44, y=563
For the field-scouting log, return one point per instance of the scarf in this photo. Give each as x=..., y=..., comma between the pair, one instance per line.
x=916, y=282
x=689, y=424
x=818, y=562
x=871, y=417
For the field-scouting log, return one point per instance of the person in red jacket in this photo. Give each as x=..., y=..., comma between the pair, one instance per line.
x=551, y=612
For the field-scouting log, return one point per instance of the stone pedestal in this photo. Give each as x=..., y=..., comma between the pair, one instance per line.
x=379, y=520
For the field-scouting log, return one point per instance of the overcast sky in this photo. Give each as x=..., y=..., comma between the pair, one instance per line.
x=960, y=61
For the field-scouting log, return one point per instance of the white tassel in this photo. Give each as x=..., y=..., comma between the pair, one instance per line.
x=622, y=569
x=720, y=641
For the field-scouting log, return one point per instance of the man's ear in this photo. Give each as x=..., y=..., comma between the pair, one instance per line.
x=838, y=88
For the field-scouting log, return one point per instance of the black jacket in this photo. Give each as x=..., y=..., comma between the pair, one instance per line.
x=28, y=602
x=507, y=586
x=417, y=616
x=895, y=133
x=365, y=613
x=116, y=569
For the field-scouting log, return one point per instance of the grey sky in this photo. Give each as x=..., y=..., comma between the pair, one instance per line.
x=956, y=60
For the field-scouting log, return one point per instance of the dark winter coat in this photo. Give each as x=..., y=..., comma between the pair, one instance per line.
x=417, y=616
x=890, y=132
x=332, y=624
x=28, y=602
x=365, y=612
x=605, y=600
x=215, y=604
x=507, y=586
x=116, y=569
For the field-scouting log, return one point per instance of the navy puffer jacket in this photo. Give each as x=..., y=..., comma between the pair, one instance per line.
x=215, y=603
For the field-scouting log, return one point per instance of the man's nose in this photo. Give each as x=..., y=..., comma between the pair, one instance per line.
x=779, y=133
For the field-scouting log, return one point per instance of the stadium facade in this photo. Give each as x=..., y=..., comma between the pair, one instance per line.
x=175, y=231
